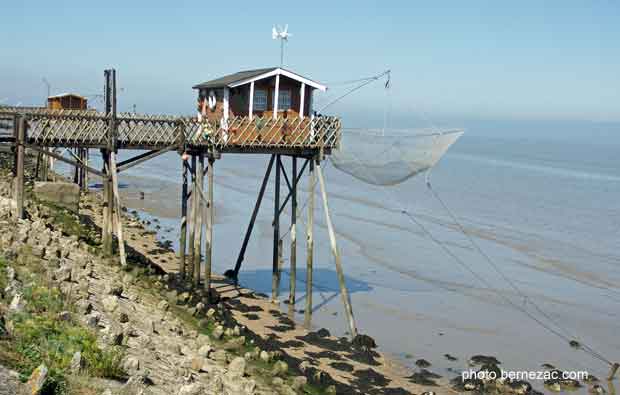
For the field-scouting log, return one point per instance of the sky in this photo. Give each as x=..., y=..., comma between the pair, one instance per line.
x=451, y=61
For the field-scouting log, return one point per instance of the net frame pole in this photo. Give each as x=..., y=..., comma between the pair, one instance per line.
x=275, y=281
x=346, y=299
x=310, y=246
x=293, y=269
x=183, y=231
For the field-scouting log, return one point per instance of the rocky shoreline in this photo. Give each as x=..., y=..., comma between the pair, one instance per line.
x=175, y=340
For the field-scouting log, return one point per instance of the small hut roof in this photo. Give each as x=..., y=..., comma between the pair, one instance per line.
x=248, y=76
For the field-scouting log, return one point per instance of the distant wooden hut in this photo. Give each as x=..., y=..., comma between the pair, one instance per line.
x=269, y=92
x=67, y=101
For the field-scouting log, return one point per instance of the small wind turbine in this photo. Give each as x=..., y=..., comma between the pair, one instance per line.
x=283, y=35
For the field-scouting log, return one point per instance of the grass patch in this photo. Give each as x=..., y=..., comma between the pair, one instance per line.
x=72, y=224
x=39, y=336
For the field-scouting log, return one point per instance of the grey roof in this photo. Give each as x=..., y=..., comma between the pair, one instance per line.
x=232, y=78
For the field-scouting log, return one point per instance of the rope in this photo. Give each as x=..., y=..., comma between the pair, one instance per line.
x=562, y=332
x=360, y=86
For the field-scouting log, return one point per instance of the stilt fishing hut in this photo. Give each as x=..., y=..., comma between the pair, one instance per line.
x=264, y=111
x=67, y=101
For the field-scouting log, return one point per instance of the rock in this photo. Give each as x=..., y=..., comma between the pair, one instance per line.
x=597, y=390
x=279, y=368
x=163, y=305
x=210, y=312
x=236, y=368
x=183, y=298
x=191, y=389
x=218, y=332
x=84, y=306
x=123, y=318
x=198, y=363
x=131, y=365
x=77, y=363
x=186, y=351
x=277, y=381
x=204, y=351
x=323, y=332
x=62, y=194
x=114, y=289
x=219, y=356
x=93, y=320
x=236, y=330
x=110, y=303
x=299, y=382
x=107, y=392
x=64, y=316
x=17, y=303
x=422, y=363
x=9, y=381
x=37, y=379
x=235, y=343
x=228, y=332
x=264, y=356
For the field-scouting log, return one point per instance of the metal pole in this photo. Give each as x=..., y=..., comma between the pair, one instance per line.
x=117, y=209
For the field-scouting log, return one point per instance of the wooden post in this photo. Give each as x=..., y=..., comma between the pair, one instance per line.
x=104, y=182
x=613, y=371
x=117, y=208
x=210, y=223
x=275, y=282
x=19, y=170
x=192, y=222
x=183, y=235
x=293, y=273
x=86, y=162
x=310, y=247
x=248, y=232
x=346, y=300
x=198, y=215
x=108, y=208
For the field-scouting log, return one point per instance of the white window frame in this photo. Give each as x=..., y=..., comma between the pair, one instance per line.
x=284, y=94
x=259, y=103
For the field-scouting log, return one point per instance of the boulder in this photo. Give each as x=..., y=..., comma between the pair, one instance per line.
x=236, y=368
x=77, y=363
x=62, y=194
x=110, y=303
x=37, y=380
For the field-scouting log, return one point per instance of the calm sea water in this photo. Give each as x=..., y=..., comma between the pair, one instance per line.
x=547, y=213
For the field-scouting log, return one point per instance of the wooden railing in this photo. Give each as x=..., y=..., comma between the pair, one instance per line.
x=267, y=132
x=87, y=128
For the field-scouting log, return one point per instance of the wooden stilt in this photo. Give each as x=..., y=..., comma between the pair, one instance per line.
x=248, y=232
x=275, y=280
x=19, y=169
x=346, y=300
x=613, y=371
x=183, y=232
x=104, y=182
x=76, y=169
x=192, y=216
x=210, y=223
x=310, y=248
x=37, y=167
x=86, y=161
x=293, y=271
x=117, y=209
x=198, y=218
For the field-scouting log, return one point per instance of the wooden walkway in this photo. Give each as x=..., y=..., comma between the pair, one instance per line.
x=92, y=129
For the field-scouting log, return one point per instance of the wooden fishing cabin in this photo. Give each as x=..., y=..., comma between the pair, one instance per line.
x=67, y=101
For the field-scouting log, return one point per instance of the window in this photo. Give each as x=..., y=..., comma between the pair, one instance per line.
x=284, y=100
x=260, y=100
